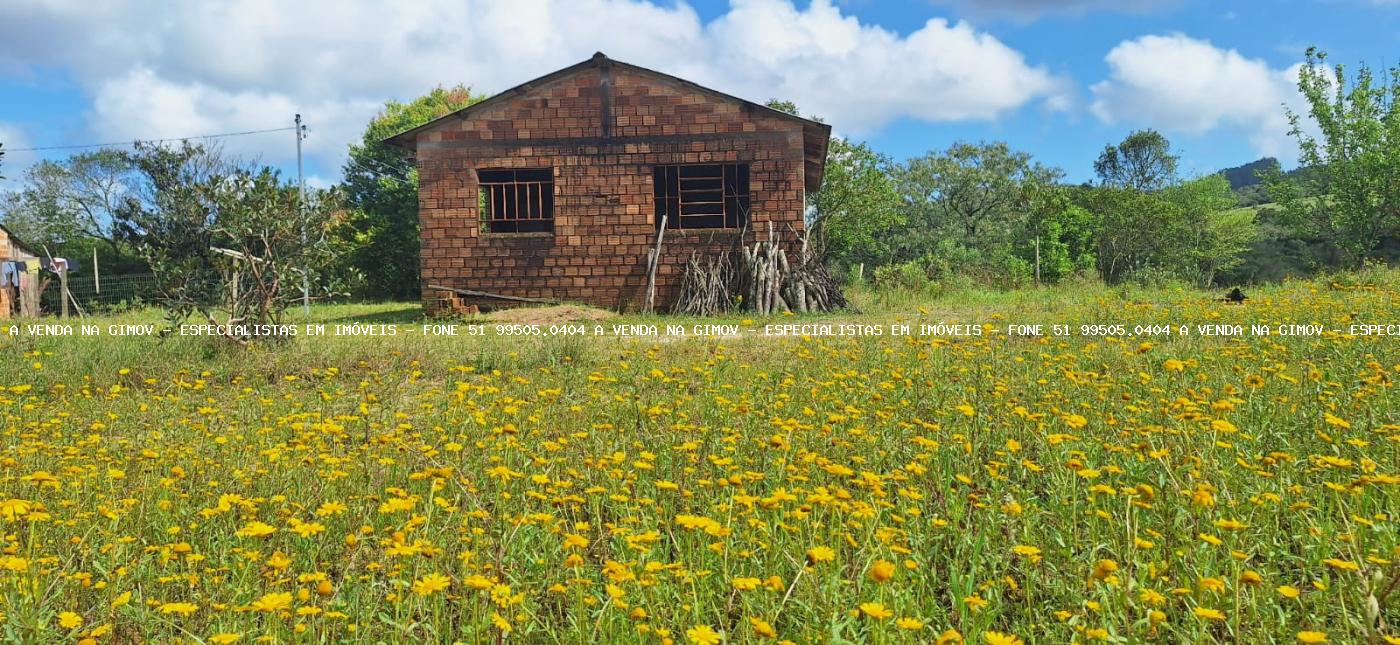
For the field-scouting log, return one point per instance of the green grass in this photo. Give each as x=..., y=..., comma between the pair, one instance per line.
x=893, y=489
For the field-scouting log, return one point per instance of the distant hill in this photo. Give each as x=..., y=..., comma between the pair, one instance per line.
x=1248, y=174
x=1249, y=187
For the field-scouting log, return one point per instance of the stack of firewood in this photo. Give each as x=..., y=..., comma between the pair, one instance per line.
x=706, y=286
x=761, y=279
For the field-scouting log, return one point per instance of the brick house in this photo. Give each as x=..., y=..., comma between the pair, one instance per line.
x=556, y=188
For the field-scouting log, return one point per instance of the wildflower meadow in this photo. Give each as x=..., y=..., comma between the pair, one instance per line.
x=1176, y=488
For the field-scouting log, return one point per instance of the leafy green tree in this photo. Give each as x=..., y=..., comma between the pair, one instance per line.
x=977, y=195
x=1351, y=199
x=783, y=106
x=77, y=197
x=1062, y=236
x=226, y=243
x=856, y=203
x=857, y=200
x=1142, y=161
x=1137, y=231
x=381, y=190
x=1215, y=233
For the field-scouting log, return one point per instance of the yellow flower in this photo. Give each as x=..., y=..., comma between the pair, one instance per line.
x=225, y=638
x=1208, y=613
x=1028, y=552
x=909, y=623
x=703, y=635
x=13, y=509
x=998, y=638
x=949, y=637
x=1312, y=637
x=255, y=529
x=574, y=541
x=1289, y=591
x=431, y=584
x=183, y=608
x=1173, y=365
x=501, y=623
x=69, y=620
x=746, y=584
x=1221, y=425
x=882, y=571
x=308, y=529
x=818, y=554
x=1342, y=565
x=762, y=627
x=875, y=610
x=1103, y=569
x=275, y=601
x=121, y=600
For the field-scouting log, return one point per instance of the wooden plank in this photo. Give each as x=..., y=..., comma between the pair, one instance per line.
x=498, y=296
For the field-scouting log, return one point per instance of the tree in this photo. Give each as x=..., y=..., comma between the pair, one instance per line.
x=857, y=202
x=226, y=242
x=381, y=190
x=1062, y=236
x=1216, y=234
x=1143, y=161
x=1136, y=230
x=1351, y=199
x=77, y=197
x=975, y=194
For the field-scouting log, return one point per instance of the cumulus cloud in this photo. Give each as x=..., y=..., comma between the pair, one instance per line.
x=1177, y=83
x=188, y=68
x=1028, y=10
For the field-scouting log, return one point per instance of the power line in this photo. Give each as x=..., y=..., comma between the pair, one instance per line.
x=127, y=143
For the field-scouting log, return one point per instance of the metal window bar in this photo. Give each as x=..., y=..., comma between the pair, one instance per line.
x=516, y=201
x=701, y=195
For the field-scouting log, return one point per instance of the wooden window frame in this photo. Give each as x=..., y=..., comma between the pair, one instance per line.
x=705, y=196
x=515, y=200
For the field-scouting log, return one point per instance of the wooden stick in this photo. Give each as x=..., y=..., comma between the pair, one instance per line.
x=487, y=294
x=655, y=261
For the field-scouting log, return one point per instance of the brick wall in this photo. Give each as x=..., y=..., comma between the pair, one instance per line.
x=603, y=212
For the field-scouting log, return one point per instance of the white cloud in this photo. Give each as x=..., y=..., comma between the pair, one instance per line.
x=196, y=67
x=861, y=77
x=1028, y=10
x=1177, y=83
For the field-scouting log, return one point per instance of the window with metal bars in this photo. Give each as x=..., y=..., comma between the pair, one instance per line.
x=516, y=200
x=702, y=195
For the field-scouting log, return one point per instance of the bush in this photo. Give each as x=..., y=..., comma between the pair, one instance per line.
x=909, y=276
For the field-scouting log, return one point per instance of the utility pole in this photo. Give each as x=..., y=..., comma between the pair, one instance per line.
x=301, y=204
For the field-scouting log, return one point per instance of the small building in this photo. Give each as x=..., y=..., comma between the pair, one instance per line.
x=19, y=291
x=555, y=189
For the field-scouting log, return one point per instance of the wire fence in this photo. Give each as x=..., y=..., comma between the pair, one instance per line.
x=104, y=294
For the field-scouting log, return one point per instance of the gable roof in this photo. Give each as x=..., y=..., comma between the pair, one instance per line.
x=815, y=134
x=16, y=242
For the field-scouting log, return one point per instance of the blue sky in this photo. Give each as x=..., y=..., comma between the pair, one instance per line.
x=1056, y=78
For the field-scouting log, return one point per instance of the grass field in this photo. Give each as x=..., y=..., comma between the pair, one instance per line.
x=887, y=490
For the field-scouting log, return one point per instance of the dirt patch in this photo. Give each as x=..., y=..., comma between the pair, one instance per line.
x=548, y=315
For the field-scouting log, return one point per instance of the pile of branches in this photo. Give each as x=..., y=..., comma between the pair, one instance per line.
x=706, y=286
x=759, y=278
